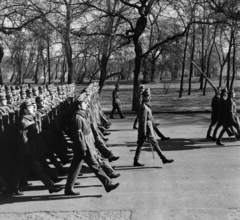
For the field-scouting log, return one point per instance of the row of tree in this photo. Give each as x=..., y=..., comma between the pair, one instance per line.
x=75, y=39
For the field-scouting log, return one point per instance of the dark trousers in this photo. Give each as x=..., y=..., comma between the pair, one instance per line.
x=153, y=142
x=214, y=121
x=23, y=167
x=158, y=132
x=229, y=130
x=135, y=121
x=103, y=162
x=226, y=128
x=102, y=148
x=116, y=106
x=76, y=167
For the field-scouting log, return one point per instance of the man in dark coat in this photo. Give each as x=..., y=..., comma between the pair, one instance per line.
x=231, y=117
x=116, y=102
x=84, y=149
x=146, y=130
x=221, y=114
x=214, y=115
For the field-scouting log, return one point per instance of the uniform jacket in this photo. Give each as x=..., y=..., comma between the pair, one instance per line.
x=231, y=116
x=82, y=135
x=215, y=107
x=30, y=141
x=221, y=110
x=146, y=121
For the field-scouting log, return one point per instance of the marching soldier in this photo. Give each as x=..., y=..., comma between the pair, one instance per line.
x=215, y=109
x=231, y=117
x=30, y=145
x=146, y=130
x=221, y=114
x=83, y=149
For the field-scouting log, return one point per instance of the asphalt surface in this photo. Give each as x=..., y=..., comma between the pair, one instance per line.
x=202, y=183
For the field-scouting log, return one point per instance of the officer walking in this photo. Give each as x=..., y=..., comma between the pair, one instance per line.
x=146, y=130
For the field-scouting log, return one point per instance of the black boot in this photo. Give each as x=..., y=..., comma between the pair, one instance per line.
x=137, y=164
x=209, y=136
x=165, y=160
x=219, y=142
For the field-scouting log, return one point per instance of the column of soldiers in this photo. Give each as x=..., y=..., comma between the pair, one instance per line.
x=224, y=114
x=34, y=122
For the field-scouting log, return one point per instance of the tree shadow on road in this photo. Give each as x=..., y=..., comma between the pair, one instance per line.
x=177, y=144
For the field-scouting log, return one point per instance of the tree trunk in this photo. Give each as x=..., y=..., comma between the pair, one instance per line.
x=183, y=64
x=103, y=72
x=191, y=64
x=138, y=62
x=49, y=61
x=229, y=61
x=233, y=62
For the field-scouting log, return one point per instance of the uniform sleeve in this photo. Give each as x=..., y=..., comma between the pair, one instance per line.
x=143, y=120
x=80, y=135
x=23, y=139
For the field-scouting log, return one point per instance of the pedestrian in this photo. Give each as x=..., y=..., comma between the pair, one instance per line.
x=215, y=110
x=221, y=114
x=146, y=130
x=116, y=102
x=231, y=117
x=84, y=149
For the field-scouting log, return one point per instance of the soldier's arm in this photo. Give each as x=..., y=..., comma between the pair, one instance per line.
x=80, y=135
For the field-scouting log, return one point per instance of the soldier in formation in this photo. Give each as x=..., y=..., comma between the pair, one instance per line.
x=40, y=118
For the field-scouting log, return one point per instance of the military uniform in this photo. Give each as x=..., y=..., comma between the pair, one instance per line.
x=231, y=117
x=83, y=149
x=146, y=131
x=31, y=149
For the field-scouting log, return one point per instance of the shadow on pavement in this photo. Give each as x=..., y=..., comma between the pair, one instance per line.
x=135, y=168
x=8, y=199
x=178, y=144
x=42, y=187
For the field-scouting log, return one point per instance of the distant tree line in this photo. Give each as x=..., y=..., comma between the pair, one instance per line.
x=142, y=40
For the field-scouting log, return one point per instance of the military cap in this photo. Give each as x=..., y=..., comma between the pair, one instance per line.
x=39, y=98
x=12, y=88
x=34, y=89
x=29, y=91
x=230, y=92
x=23, y=91
x=40, y=88
x=2, y=97
x=14, y=92
x=2, y=89
x=146, y=92
x=9, y=96
x=33, y=101
x=26, y=103
x=224, y=91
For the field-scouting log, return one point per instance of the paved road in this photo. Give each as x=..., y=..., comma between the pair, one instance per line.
x=202, y=183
